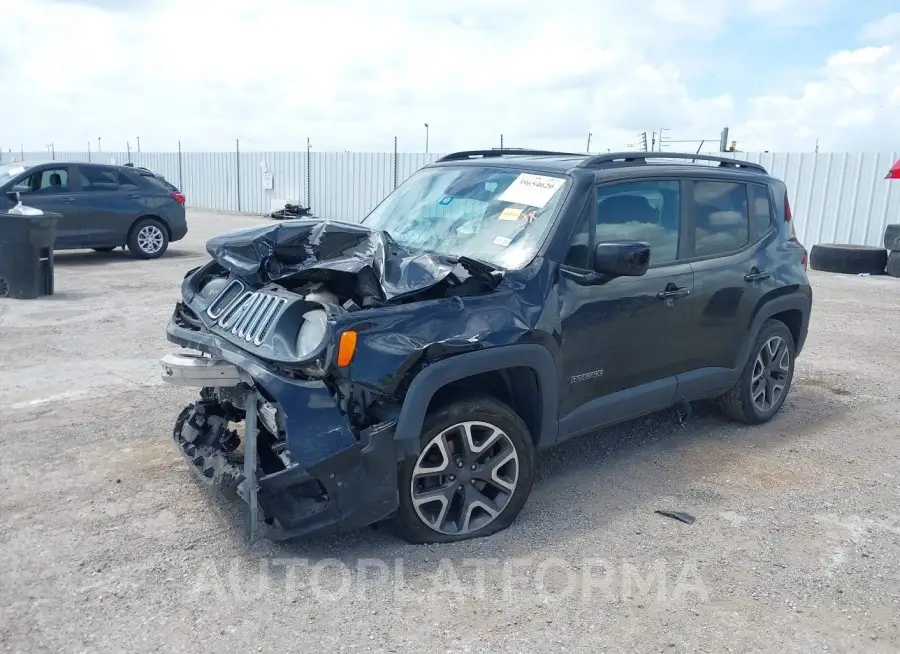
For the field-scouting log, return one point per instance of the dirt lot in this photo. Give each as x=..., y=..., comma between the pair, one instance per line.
x=108, y=543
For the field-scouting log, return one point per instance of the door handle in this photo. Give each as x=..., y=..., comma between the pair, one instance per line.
x=67, y=200
x=133, y=195
x=756, y=275
x=673, y=291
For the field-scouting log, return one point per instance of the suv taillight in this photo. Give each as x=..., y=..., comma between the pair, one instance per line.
x=793, y=235
x=179, y=197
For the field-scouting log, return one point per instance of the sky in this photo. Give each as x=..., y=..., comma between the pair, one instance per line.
x=353, y=74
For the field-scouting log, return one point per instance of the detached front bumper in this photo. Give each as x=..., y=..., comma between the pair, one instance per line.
x=315, y=478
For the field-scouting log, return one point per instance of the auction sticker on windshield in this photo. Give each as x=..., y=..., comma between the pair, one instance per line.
x=532, y=190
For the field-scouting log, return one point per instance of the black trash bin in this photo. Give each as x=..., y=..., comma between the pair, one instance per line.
x=26, y=255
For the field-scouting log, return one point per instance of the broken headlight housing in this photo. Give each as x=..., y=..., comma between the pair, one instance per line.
x=312, y=333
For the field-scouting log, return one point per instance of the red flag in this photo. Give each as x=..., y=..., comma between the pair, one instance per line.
x=894, y=172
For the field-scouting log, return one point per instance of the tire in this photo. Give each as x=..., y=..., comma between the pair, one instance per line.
x=739, y=403
x=893, y=264
x=148, y=239
x=511, y=452
x=892, y=238
x=103, y=249
x=849, y=259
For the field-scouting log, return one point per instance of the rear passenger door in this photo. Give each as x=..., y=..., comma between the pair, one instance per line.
x=728, y=226
x=109, y=202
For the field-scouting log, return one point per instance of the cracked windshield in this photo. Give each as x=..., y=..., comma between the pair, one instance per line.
x=497, y=215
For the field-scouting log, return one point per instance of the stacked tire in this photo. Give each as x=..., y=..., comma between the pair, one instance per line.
x=848, y=259
x=892, y=245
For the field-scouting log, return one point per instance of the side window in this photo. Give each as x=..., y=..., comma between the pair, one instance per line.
x=51, y=180
x=98, y=178
x=760, y=209
x=579, y=253
x=721, y=223
x=125, y=182
x=646, y=210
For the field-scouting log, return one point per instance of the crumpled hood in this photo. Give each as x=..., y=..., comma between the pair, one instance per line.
x=295, y=247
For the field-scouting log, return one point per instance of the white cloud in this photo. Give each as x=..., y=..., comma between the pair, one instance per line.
x=352, y=74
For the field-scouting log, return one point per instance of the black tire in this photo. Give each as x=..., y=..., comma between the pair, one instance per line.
x=892, y=238
x=738, y=402
x=103, y=249
x=893, y=264
x=487, y=410
x=137, y=244
x=848, y=259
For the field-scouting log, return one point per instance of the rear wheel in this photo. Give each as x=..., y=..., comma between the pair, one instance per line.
x=148, y=239
x=765, y=380
x=472, y=476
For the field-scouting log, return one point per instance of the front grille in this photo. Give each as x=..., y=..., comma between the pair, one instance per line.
x=226, y=297
x=252, y=315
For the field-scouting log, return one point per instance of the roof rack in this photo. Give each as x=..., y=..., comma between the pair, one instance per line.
x=640, y=158
x=500, y=152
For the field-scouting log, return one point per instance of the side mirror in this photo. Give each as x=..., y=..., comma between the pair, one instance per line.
x=13, y=193
x=622, y=258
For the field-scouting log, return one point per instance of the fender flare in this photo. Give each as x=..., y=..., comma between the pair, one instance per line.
x=795, y=301
x=430, y=380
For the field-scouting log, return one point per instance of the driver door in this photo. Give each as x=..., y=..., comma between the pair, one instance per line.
x=49, y=190
x=623, y=340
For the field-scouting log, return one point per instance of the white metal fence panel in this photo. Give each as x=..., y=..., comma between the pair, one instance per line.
x=836, y=198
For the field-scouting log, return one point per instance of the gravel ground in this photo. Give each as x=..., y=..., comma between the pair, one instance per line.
x=109, y=544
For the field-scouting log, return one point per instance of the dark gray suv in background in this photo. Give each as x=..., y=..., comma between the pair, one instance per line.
x=102, y=206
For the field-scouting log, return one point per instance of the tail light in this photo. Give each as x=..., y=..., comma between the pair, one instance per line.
x=178, y=197
x=793, y=235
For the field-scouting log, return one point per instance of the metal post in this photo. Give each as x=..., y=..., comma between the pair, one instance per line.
x=251, y=513
x=308, y=174
x=99, y=149
x=501, y=143
x=53, y=151
x=22, y=151
x=139, y=143
x=395, y=162
x=180, y=180
x=128, y=150
x=426, y=138
x=237, y=159
x=588, y=148
x=89, y=151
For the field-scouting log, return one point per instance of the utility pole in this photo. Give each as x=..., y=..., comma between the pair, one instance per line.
x=426, y=138
x=99, y=149
x=588, y=148
x=644, y=141
x=139, y=143
x=653, y=143
x=723, y=140
x=501, y=142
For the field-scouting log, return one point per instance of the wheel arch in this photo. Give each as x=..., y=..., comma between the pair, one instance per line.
x=512, y=374
x=151, y=216
x=793, y=310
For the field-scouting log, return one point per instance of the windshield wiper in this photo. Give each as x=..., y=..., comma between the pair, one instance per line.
x=484, y=270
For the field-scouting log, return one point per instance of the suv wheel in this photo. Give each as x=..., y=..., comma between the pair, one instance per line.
x=148, y=239
x=766, y=379
x=472, y=476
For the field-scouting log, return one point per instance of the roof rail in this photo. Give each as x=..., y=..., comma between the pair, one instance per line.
x=639, y=158
x=500, y=152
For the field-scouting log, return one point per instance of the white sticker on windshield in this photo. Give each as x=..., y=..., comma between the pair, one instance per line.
x=532, y=190
x=502, y=241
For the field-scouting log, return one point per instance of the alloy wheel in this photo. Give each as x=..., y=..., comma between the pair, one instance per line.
x=770, y=374
x=150, y=239
x=464, y=478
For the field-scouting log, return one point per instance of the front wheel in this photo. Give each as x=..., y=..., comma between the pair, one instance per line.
x=472, y=476
x=148, y=239
x=766, y=379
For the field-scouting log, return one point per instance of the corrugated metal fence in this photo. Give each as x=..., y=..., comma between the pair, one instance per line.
x=836, y=198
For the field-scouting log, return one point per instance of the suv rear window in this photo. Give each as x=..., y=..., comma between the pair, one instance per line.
x=721, y=223
x=159, y=182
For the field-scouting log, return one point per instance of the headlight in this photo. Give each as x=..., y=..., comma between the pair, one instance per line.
x=213, y=287
x=312, y=332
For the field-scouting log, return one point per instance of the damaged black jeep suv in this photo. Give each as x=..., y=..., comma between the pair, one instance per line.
x=494, y=305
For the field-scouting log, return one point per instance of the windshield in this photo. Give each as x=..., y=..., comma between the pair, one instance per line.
x=498, y=215
x=11, y=170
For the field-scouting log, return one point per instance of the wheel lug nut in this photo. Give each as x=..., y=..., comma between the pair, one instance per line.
x=459, y=464
x=459, y=487
x=452, y=477
x=472, y=482
x=473, y=466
